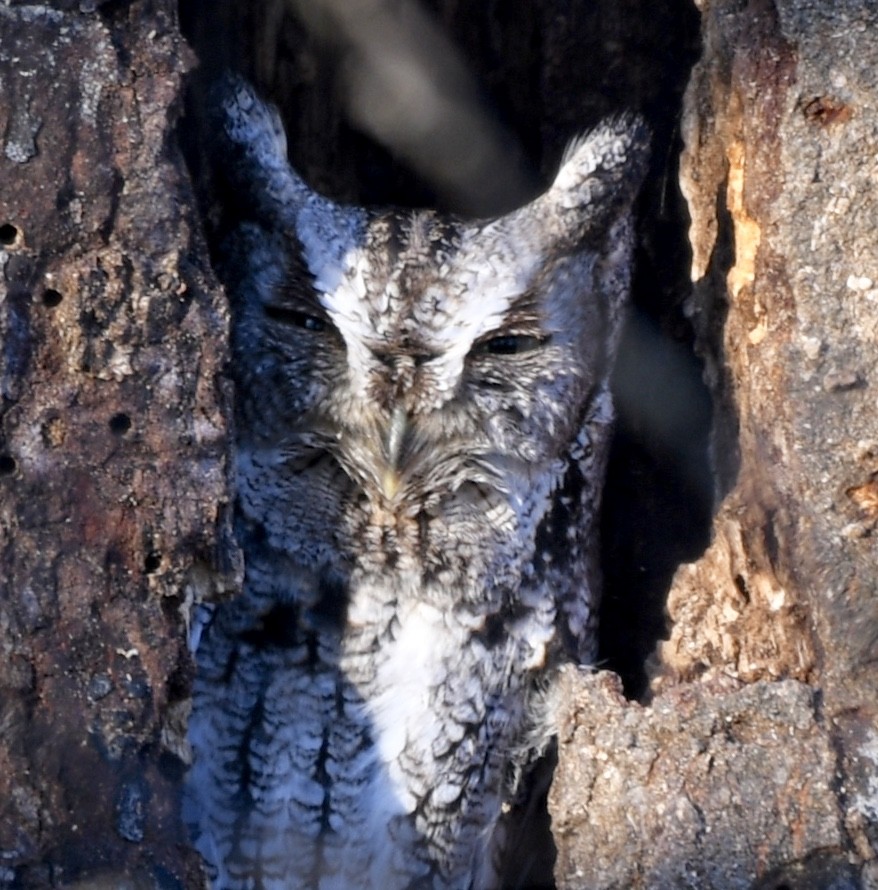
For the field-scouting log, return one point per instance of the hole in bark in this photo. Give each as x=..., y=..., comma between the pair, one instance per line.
x=120, y=424
x=8, y=234
x=152, y=562
x=52, y=297
x=658, y=498
x=7, y=464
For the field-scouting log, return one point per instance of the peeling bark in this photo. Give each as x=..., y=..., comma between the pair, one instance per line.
x=736, y=775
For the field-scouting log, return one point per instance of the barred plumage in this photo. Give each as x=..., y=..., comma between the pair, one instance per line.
x=423, y=417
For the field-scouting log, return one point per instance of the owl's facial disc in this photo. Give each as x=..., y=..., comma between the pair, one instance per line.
x=436, y=354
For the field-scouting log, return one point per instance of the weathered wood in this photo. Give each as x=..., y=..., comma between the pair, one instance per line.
x=734, y=775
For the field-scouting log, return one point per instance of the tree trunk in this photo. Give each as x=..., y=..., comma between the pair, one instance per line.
x=755, y=764
x=741, y=752
x=113, y=496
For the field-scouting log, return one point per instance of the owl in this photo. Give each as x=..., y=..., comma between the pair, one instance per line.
x=423, y=413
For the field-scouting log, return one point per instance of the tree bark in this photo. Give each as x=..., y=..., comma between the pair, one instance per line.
x=755, y=764
x=113, y=496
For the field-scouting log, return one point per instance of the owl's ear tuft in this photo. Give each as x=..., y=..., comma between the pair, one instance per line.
x=257, y=184
x=248, y=123
x=250, y=152
x=600, y=175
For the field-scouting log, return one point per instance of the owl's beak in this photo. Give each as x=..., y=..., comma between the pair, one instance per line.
x=390, y=484
x=391, y=479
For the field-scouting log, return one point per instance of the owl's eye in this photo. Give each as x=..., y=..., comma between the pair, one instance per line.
x=508, y=344
x=296, y=318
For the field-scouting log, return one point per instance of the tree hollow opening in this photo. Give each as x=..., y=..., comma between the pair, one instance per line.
x=544, y=73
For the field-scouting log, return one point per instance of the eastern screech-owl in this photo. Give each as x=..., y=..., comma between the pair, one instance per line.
x=422, y=422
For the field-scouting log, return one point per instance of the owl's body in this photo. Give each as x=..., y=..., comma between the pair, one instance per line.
x=423, y=415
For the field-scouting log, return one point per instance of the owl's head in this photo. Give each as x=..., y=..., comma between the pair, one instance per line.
x=426, y=357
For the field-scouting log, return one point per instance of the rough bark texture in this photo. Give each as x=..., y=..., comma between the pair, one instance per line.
x=112, y=446
x=755, y=764
x=708, y=787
